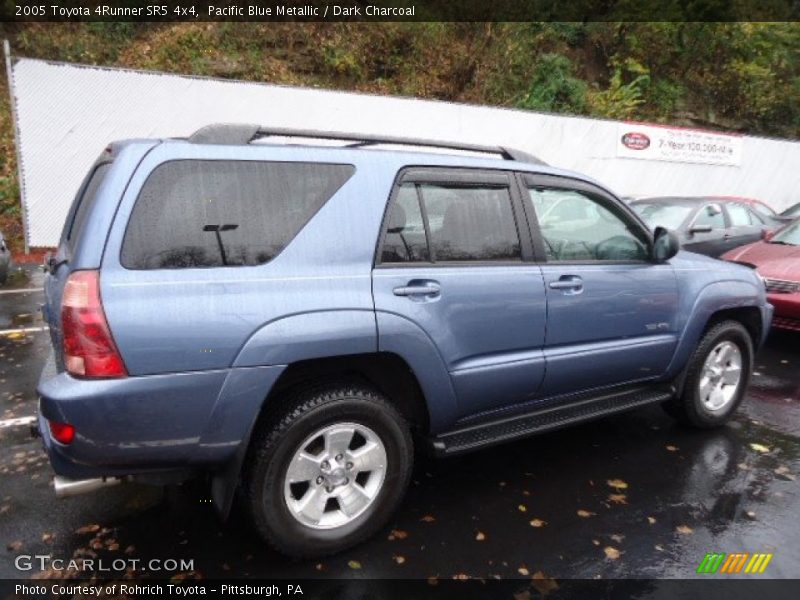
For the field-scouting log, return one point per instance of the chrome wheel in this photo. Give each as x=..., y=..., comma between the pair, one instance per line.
x=335, y=475
x=721, y=376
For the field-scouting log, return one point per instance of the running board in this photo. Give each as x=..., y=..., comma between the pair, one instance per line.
x=519, y=426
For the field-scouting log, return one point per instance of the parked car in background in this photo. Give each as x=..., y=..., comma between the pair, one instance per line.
x=793, y=212
x=764, y=210
x=777, y=260
x=5, y=259
x=704, y=225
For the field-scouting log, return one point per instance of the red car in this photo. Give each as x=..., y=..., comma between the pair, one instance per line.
x=777, y=260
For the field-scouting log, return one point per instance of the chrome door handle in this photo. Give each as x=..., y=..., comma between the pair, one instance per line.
x=571, y=284
x=428, y=289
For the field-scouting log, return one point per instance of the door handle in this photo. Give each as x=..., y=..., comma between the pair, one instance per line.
x=570, y=283
x=429, y=288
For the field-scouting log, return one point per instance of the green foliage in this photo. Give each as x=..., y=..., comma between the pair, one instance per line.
x=726, y=75
x=554, y=87
x=622, y=100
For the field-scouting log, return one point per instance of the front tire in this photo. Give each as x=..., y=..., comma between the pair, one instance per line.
x=717, y=376
x=328, y=471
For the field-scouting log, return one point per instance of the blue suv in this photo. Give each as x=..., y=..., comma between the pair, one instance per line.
x=292, y=317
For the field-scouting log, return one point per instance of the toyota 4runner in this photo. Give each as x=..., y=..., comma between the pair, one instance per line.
x=291, y=319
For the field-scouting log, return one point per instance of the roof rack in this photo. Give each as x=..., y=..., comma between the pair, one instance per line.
x=236, y=134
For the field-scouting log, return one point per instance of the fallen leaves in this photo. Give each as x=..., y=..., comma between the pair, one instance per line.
x=523, y=571
x=93, y=528
x=543, y=584
x=14, y=546
x=5, y=508
x=397, y=534
x=399, y=559
x=651, y=520
x=585, y=513
x=354, y=564
x=783, y=472
x=759, y=448
x=47, y=537
x=684, y=530
x=538, y=523
x=618, y=498
x=617, y=484
x=480, y=536
x=522, y=508
x=611, y=553
x=428, y=519
x=618, y=537
x=672, y=448
x=750, y=515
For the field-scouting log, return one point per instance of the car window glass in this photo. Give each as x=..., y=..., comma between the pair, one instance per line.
x=660, y=214
x=195, y=213
x=86, y=200
x=710, y=215
x=755, y=217
x=763, y=209
x=470, y=223
x=405, y=232
x=738, y=214
x=576, y=226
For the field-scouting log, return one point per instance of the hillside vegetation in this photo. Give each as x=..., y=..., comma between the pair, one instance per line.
x=741, y=77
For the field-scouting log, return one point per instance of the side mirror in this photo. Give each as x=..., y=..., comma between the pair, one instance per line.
x=665, y=245
x=767, y=234
x=701, y=229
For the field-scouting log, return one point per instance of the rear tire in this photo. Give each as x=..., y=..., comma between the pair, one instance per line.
x=328, y=471
x=716, y=377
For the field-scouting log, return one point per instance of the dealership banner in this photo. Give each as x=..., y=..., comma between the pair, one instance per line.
x=678, y=144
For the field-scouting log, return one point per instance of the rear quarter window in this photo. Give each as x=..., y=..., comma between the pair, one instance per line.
x=202, y=213
x=85, y=200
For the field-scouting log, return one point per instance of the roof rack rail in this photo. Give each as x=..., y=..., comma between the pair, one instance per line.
x=237, y=134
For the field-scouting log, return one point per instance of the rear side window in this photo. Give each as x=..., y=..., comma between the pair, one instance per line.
x=739, y=215
x=86, y=199
x=443, y=223
x=200, y=213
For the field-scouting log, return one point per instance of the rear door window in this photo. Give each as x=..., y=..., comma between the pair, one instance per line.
x=739, y=215
x=203, y=213
x=451, y=223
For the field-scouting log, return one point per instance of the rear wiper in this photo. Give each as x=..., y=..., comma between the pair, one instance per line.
x=780, y=242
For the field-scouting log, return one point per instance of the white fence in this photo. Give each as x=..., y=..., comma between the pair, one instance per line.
x=66, y=114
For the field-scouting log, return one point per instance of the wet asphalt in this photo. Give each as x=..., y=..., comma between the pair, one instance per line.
x=632, y=496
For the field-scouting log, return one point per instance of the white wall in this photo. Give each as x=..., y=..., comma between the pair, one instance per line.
x=67, y=113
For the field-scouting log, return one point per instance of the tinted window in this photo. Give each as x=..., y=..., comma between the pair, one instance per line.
x=465, y=223
x=711, y=215
x=470, y=223
x=86, y=200
x=577, y=226
x=193, y=213
x=405, y=233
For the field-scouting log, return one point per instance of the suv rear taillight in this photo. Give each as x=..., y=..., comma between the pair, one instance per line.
x=89, y=349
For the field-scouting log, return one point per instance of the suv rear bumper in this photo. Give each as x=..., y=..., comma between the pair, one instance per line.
x=150, y=424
